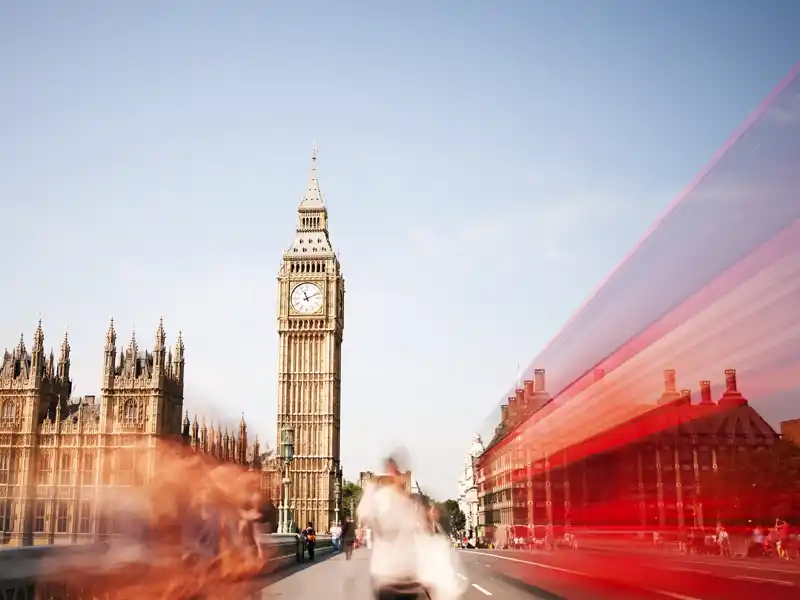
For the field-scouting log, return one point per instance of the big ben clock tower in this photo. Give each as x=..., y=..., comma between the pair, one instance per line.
x=310, y=327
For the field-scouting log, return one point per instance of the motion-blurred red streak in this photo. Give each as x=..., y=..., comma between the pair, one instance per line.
x=737, y=276
x=752, y=118
x=785, y=242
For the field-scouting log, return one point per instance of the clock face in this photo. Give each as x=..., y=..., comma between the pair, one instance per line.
x=306, y=298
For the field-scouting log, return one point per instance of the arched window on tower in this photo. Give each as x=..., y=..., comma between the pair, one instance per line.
x=5, y=467
x=65, y=468
x=129, y=412
x=9, y=409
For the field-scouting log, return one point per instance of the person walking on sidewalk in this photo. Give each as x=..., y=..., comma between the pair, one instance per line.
x=310, y=536
x=348, y=537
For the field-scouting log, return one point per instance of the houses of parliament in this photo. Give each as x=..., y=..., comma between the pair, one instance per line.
x=58, y=453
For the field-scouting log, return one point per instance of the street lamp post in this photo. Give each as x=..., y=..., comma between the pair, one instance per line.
x=337, y=498
x=287, y=454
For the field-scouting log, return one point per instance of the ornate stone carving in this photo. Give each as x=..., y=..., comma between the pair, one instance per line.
x=10, y=412
x=131, y=413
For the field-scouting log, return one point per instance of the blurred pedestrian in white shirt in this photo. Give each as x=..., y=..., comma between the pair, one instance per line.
x=336, y=538
x=404, y=545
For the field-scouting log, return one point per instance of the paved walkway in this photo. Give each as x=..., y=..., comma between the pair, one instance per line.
x=330, y=577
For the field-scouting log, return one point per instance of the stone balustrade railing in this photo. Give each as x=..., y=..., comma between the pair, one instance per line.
x=33, y=572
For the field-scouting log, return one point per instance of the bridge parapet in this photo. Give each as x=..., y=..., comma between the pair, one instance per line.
x=26, y=571
x=40, y=572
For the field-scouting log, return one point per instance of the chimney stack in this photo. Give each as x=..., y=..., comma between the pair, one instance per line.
x=503, y=413
x=528, y=388
x=686, y=396
x=538, y=381
x=670, y=393
x=731, y=396
x=730, y=380
x=705, y=393
x=520, y=395
x=669, y=381
x=513, y=409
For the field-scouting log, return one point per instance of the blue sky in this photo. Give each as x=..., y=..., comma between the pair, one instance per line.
x=485, y=165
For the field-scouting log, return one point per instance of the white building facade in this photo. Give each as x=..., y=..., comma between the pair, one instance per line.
x=467, y=488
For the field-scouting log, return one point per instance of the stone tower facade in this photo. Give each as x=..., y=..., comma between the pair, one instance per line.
x=142, y=392
x=58, y=455
x=310, y=326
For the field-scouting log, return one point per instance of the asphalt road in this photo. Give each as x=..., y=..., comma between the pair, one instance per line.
x=539, y=575
x=605, y=575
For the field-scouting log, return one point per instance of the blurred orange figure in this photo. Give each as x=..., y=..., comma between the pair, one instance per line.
x=195, y=535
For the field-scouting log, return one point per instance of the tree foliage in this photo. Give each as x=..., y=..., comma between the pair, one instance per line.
x=351, y=496
x=451, y=516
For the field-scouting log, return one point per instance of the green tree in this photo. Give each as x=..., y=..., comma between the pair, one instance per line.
x=351, y=496
x=451, y=517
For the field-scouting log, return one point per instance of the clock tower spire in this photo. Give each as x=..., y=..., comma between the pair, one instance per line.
x=310, y=330
x=311, y=234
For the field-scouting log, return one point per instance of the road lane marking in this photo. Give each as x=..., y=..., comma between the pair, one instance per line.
x=535, y=592
x=764, y=580
x=735, y=565
x=588, y=575
x=480, y=589
x=536, y=564
x=674, y=595
x=687, y=570
x=462, y=577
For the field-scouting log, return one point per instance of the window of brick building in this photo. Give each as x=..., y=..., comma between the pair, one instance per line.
x=62, y=516
x=85, y=522
x=6, y=516
x=65, y=468
x=5, y=466
x=39, y=516
x=45, y=468
x=89, y=465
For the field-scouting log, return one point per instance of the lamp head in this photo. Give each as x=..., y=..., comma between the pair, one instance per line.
x=287, y=444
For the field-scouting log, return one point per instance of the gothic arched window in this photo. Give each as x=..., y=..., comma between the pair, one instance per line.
x=129, y=412
x=9, y=409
